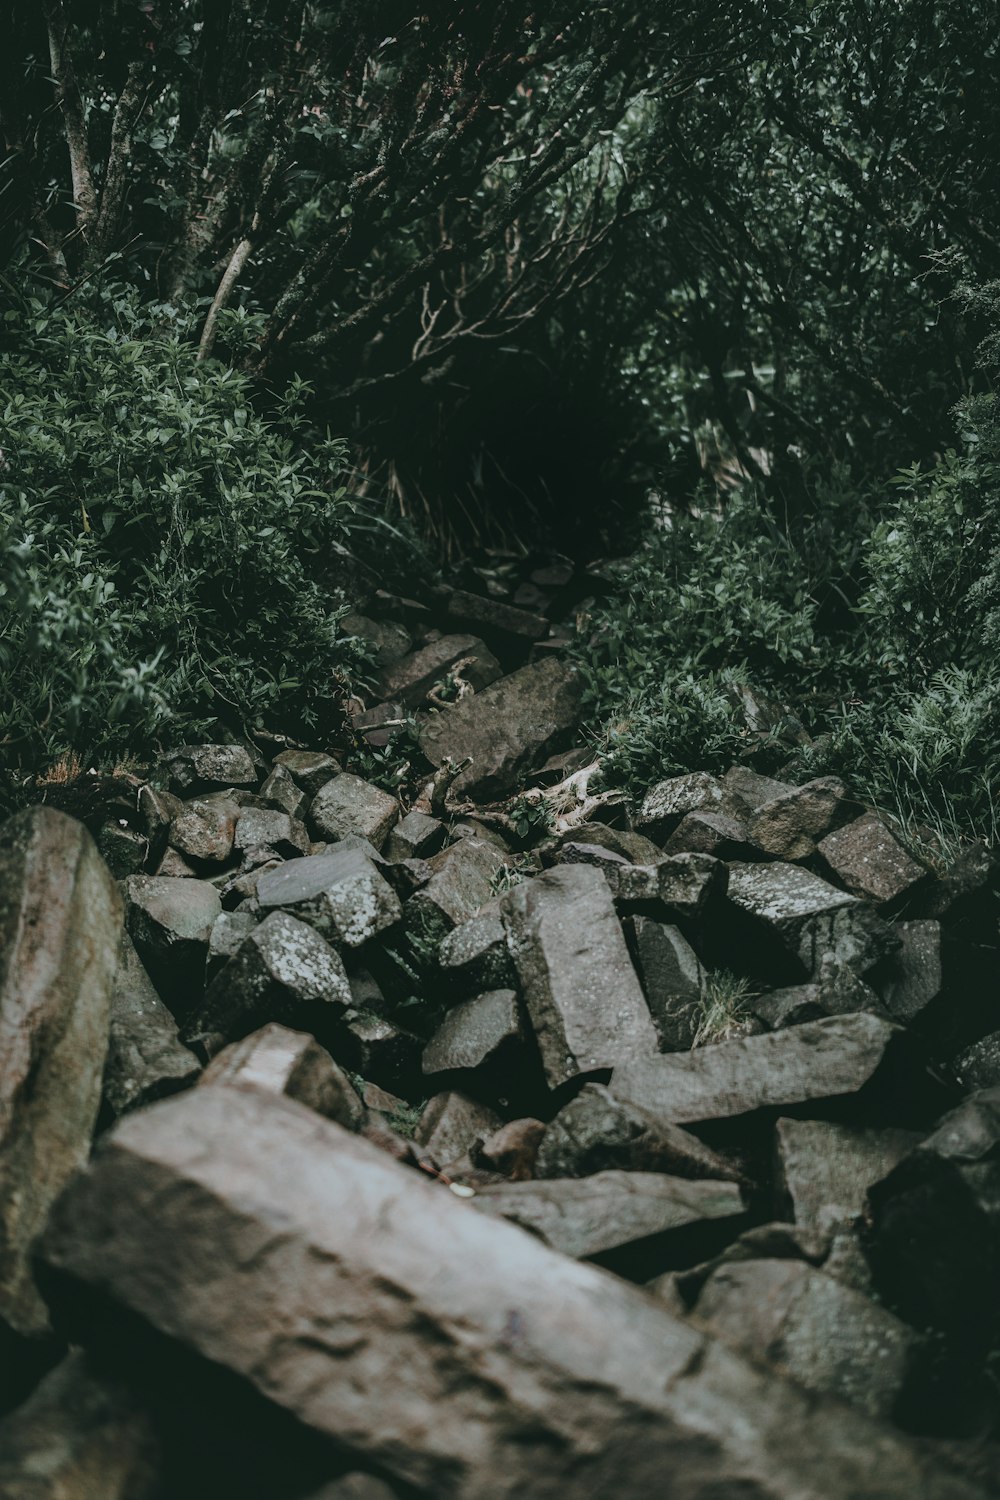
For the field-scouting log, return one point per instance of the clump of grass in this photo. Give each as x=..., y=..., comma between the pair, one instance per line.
x=725, y=1008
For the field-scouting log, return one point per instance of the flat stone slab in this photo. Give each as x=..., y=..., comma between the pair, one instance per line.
x=582, y=995
x=584, y=1216
x=341, y=893
x=818, y=1060
x=453, y=1351
x=506, y=728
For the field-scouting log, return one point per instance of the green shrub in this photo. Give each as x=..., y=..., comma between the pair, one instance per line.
x=170, y=556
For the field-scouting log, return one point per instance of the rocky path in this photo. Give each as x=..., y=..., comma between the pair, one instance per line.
x=498, y=1137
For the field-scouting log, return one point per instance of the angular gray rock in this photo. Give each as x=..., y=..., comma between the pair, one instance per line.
x=506, y=728
x=475, y=1034
x=415, y=836
x=819, y=1060
x=826, y=1168
x=170, y=922
x=309, y=769
x=806, y=917
x=869, y=860
x=835, y=991
x=752, y=789
x=584, y=1216
x=226, y=938
x=388, y=640
x=341, y=893
x=292, y=1063
x=281, y=791
x=680, y=885
x=452, y=1125
x=205, y=830
x=824, y=1334
x=60, y=927
x=453, y=1351
x=634, y=847
x=475, y=957
x=382, y=1051
x=666, y=803
x=461, y=881
x=146, y=1059
x=125, y=851
x=934, y=1242
x=978, y=1066
x=280, y=971
x=789, y=825
x=673, y=981
x=204, y=768
x=346, y=804
x=495, y=619
x=582, y=995
x=718, y=834
x=264, y=827
x=80, y=1436
x=411, y=679
x=917, y=975
x=595, y=1132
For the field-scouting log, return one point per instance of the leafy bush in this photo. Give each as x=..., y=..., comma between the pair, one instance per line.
x=171, y=557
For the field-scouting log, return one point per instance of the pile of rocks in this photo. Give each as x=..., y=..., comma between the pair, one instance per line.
x=672, y=1152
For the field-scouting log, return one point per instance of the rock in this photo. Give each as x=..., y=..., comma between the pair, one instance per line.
x=80, y=1436
x=174, y=866
x=60, y=927
x=266, y=828
x=341, y=893
x=240, y=891
x=506, y=728
x=752, y=789
x=582, y=994
x=452, y=1126
x=205, y=830
x=835, y=991
x=574, y=853
x=124, y=850
x=717, y=834
x=820, y=1060
x=789, y=825
x=666, y=803
x=596, y=1132
x=631, y=846
x=146, y=1059
x=388, y=641
x=475, y=957
x=283, y=793
x=917, y=975
x=355, y=1487
x=495, y=620
x=170, y=922
x=585, y=1216
x=281, y=972
x=934, y=1242
x=415, y=836
x=673, y=981
x=290, y=1063
x=512, y=1150
x=378, y=725
x=453, y=1351
x=826, y=1169
x=978, y=1066
x=774, y=1241
x=409, y=680
x=383, y=1051
x=479, y=1032
x=461, y=882
x=682, y=885
x=226, y=938
x=203, y=768
x=870, y=861
x=791, y=1006
x=157, y=810
x=309, y=769
x=827, y=1336
x=346, y=804
x=788, y=911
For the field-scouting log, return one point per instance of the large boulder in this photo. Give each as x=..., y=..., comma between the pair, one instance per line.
x=60, y=927
x=583, y=996
x=506, y=729
x=454, y=1351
